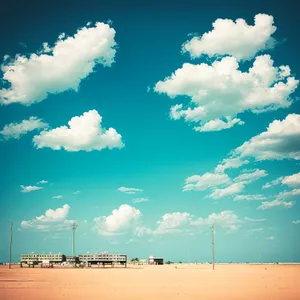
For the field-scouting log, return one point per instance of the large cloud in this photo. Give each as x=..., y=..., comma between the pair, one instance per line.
x=234, y=38
x=57, y=69
x=16, y=130
x=179, y=222
x=220, y=91
x=82, y=133
x=119, y=222
x=53, y=219
x=280, y=141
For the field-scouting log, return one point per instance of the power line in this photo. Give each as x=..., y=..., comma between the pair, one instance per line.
x=10, y=245
x=213, y=245
x=74, y=227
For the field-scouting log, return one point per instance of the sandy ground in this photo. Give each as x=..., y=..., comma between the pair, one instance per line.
x=168, y=282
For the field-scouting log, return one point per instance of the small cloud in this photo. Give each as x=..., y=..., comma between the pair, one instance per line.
x=251, y=231
x=271, y=238
x=29, y=188
x=57, y=197
x=296, y=222
x=128, y=190
x=254, y=220
x=139, y=200
x=88, y=23
x=42, y=182
x=76, y=193
x=148, y=89
x=19, y=229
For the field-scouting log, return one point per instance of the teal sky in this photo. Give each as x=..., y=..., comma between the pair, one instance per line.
x=128, y=181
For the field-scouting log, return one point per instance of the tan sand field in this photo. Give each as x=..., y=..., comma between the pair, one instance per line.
x=168, y=282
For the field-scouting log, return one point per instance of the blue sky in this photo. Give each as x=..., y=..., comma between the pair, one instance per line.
x=174, y=129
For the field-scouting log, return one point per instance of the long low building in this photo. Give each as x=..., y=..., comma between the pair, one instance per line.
x=103, y=258
x=33, y=259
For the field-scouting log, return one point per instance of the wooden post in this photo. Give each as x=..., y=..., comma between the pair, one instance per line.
x=10, y=245
x=213, y=245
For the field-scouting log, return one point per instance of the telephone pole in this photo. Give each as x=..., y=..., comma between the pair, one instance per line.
x=74, y=227
x=10, y=245
x=213, y=245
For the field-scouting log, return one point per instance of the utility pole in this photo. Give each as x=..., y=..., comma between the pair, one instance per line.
x=10, y=245
x=74, y=226
x=213, y=245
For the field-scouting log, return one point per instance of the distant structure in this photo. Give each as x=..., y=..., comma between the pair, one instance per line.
x=33, y=259
x=84, y=260
x=103, y=258
x=155, y=260
x=74, y=227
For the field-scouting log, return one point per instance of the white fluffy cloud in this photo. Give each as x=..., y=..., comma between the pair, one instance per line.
x=119, y=222
x=233, y=189
x=220, y=91
x=238, y=184
x=218, y=124
x=234, y=38
x=205, y=181
x=257, y=197
x=173, y=222
x=59, y=68
x=83, y=133
x=292, y=180
x=275, y=203
x=29, y=188
x=230, y=163
x=53, y=219
x=273, y=183
x=58, y=197
x=16, y=130
x=128, y=190
x=280, y=141
x=185, y=222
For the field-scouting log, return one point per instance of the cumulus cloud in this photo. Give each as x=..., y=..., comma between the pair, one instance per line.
x=230, y=163
x=238, y=184
x=16, y=130
x=139, y=200
x=59, y=68
x=292, y=181
x=53, y=219
x=234, y=38
x=273, y=183
x=179, y=222
x=221, y=91
x=119, y=222
x=29, y=188
x=205, y=181
x=83, y=133
x=258, y=197
x=275, y=203
x=128, y=190
x=279, y=142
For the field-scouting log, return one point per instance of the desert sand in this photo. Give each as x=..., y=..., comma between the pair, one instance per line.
x=168, y=282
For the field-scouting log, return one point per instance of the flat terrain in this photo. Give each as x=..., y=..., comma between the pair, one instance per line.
x=168, y=282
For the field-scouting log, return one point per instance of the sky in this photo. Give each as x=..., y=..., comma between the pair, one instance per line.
x=148, y=122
